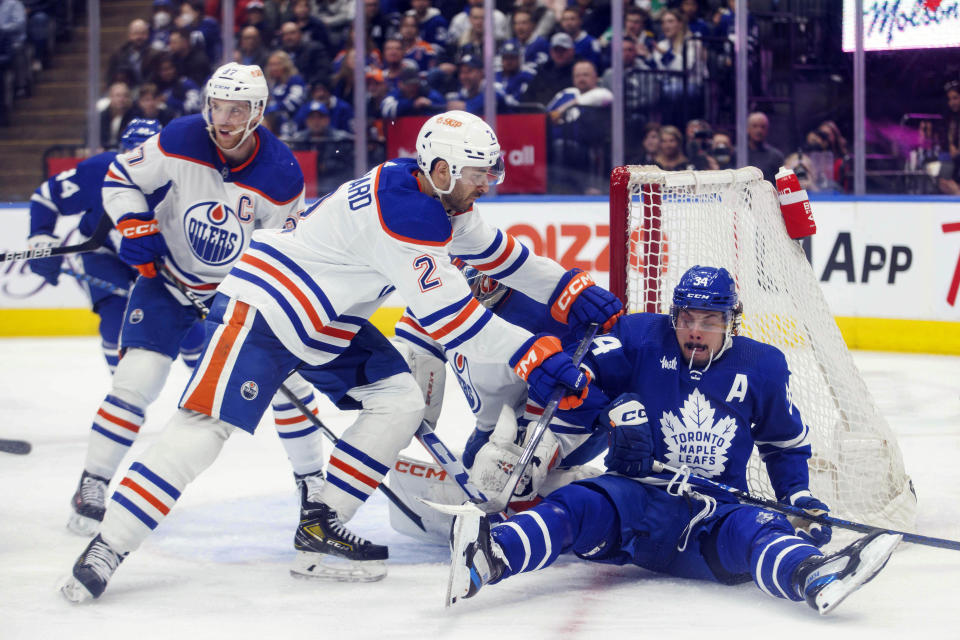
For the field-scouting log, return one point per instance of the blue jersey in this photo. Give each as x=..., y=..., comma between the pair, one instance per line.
x=709, y=423
x=72, y=192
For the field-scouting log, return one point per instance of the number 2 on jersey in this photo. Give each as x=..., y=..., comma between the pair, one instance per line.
x=427, y=267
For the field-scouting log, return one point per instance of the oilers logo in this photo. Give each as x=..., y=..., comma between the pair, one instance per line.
x=249, y=390
x=136, y=316
x=462, y=368
x=214, y=233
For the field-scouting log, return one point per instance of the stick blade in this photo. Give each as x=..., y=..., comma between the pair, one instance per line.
x=18, y=447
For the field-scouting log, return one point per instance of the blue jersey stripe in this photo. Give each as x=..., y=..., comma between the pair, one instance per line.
x=111, y=436
x=346, y=487
x=472, y=331
x=423, y=344
x=167, y=488
x=524, y=254
x=489, y=251
x=303, y=275
x=448, y=310
x=116, y=164
x=134, y=509
x=362, y=457
x=291, y=314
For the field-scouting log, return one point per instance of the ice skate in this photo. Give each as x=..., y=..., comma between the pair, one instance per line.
x=824, y=581
x=327, y=550
x=89, y=504
x=475, y=559
x=91, y=572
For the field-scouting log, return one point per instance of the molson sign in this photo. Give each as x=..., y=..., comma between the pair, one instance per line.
x=522, y=137
x=903, y=24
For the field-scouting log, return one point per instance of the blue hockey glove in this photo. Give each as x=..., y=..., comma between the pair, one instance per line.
x=46, y=268
x=630, y=437
x=578, y=301
x=142, y=242
x=475, y=442
x=814, y=532
x=540, y=361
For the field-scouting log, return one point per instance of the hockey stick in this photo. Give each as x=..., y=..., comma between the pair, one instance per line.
x=96, y=282
x=502, y=499
x=791, y=510
x=449, y=462
x=95, y=241
x=202, y=310
x=19, y=447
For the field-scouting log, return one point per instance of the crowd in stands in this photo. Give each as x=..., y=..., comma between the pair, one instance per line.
x=28, y=31
x=426, y=56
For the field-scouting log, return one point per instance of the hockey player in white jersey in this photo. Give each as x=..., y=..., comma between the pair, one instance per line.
x=210, y=181
x=300, y=299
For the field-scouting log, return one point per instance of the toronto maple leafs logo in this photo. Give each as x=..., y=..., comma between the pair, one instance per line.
x=695, y=439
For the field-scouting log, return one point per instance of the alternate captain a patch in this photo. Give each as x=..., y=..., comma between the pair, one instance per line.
x=214, y=232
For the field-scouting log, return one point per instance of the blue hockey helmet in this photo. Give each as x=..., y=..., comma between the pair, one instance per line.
x=137, y=132
x=708, y=289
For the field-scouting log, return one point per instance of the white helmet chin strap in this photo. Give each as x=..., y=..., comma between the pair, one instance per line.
x=211, y=130
x=453, y=183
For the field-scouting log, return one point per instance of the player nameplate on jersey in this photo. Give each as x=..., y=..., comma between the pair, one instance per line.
x=214, y=232
x=697, y=440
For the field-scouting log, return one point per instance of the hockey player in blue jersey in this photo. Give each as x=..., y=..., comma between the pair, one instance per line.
x=686, y=390
x=189, y=198
x=77, y=192
x=300, y=300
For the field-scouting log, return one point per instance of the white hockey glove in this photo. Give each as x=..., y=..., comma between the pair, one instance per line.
x=430, y=373
x=495, y=460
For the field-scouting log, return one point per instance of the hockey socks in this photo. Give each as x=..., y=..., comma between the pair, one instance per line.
x=115, y=427
x=774, y=558
x=302, y=441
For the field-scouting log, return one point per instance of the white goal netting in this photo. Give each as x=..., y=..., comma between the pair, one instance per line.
x=662, y=223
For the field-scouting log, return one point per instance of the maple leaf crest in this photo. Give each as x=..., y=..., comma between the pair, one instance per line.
x=694, y=439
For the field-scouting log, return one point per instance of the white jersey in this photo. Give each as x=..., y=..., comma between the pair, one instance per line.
x=207, y=210
x=315, y=284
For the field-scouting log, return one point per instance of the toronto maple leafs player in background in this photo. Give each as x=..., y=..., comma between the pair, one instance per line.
x=77, y=192
x=300, y=299
x=189, y=198
x=685, y=390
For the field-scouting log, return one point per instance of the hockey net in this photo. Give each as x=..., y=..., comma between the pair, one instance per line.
x=662, y=223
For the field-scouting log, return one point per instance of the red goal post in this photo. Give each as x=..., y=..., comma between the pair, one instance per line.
x=664, y=222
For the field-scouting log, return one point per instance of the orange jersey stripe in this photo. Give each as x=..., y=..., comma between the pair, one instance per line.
x=456, y=322
x=201, y=400
x=493, y=264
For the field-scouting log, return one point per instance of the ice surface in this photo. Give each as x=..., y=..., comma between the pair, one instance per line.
x=218, y=566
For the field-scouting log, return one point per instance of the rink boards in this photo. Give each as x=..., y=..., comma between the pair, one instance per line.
x=889, y=267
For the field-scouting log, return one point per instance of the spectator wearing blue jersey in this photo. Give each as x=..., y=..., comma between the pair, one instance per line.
x=414, y=47
x=181, y=95
x=204, y=31
x=650, y=369
x=513, y=77
x=585, y=46
x=161, y=24
x=287, y=90
x=341, y=112
x=412, y=97
x=431, y=25
x=535, y=48
x=470, y=98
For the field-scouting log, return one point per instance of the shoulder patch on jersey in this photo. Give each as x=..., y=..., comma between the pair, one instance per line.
x=406, y=213
x=187, y=138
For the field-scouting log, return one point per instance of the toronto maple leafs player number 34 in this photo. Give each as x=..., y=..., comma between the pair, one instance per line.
x=683, y=389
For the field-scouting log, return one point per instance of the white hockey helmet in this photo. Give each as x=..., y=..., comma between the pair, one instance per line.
x=462, y=140
x=234, y=81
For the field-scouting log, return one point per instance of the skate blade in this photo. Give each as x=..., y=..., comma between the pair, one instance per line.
x=82, y=525
x=74, y=591
x=873, y=558
x=323, y=566
x=465, y=530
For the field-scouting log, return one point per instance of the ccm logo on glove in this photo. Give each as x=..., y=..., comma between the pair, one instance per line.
x=133, y=228
x=561, y=308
